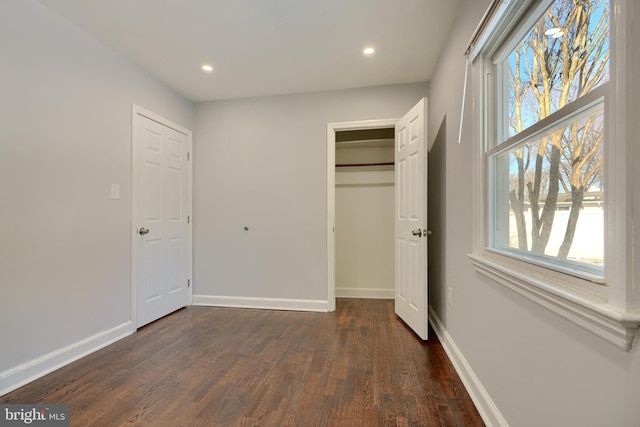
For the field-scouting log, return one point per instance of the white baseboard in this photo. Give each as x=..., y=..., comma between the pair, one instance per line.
x=371, y=293
x=20, y=375
x=262, y=303
x=485, y=405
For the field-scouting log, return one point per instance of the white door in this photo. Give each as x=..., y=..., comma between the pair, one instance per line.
x=161, y=238
x=411, y=220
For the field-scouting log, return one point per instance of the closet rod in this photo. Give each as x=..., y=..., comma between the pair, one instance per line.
x=351, y=165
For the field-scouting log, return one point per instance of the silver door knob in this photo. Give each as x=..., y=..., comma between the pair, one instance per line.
x=142, y=231
x=417, y=232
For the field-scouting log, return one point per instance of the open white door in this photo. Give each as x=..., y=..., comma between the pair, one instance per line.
x=411, y=298
x=160, y=200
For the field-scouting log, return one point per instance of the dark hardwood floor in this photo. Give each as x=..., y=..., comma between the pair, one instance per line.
x=204, y=366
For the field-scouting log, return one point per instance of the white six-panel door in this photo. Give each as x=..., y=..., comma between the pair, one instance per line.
x=411, y=299
x=161, y=237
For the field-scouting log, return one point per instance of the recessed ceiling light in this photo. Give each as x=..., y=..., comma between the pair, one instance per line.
x=552, y=31
x=207, y=68
x=368, y=51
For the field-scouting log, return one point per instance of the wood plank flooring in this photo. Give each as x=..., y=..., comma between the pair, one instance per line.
x=204, y=366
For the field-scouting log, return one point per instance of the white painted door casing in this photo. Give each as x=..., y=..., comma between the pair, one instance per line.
x=411, y=290
x=161, y=205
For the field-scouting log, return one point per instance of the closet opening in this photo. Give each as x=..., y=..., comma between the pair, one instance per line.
x=364, y=213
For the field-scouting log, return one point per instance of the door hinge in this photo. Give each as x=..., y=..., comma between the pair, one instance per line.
x=188, y=283
x=188, y=219
x=188, y=156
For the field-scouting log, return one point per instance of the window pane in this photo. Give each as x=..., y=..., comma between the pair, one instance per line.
x=564, y=56
x=549, y=194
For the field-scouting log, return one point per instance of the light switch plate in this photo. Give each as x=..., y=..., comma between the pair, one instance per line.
x=115, y=191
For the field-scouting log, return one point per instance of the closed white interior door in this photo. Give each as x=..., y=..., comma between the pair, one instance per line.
x=161, y=240
x=411, y=293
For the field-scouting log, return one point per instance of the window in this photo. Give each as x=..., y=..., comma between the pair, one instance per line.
x=546, y=161
x=551, y=216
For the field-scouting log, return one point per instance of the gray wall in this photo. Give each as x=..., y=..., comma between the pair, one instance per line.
x=539, y=369
x=261, y=163
x=65, y=116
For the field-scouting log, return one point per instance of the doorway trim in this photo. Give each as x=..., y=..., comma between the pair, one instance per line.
x=136, y=112
x=332, y=128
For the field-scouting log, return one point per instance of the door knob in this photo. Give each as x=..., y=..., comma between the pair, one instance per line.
x=142, y=231
x=417, y=232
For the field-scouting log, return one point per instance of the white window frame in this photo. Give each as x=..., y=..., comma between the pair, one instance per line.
x=612, y=311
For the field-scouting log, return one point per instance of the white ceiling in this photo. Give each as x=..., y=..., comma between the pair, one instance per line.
x=268, y=47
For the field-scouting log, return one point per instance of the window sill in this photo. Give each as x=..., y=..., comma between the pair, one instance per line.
x=589, y=311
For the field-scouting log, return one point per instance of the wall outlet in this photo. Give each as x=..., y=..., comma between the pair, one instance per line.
x=450, y=297
x=115, y=191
